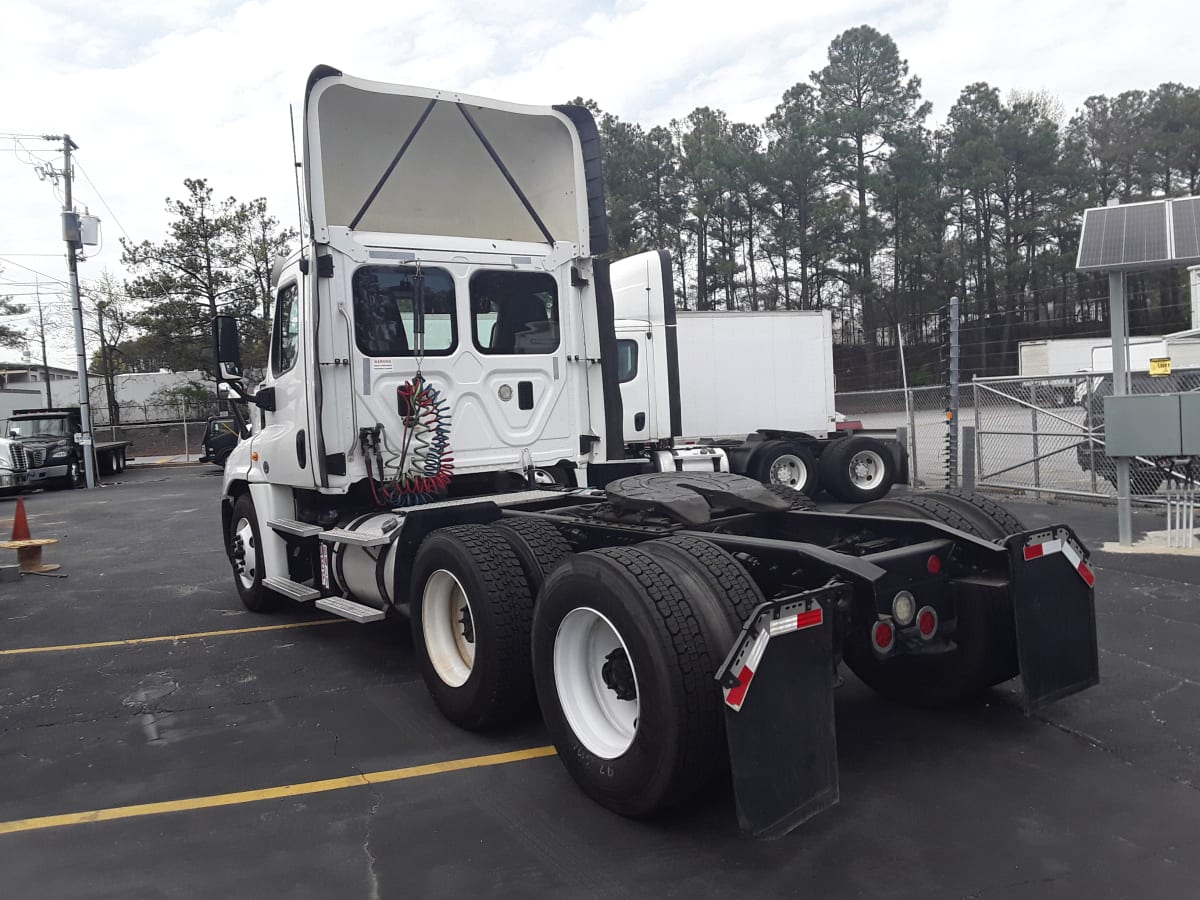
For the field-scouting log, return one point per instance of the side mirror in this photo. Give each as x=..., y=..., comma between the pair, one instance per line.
x=226, y=348
x=14, y=433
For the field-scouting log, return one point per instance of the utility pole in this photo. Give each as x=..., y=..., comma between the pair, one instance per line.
x=42, y=336
x=74, y=240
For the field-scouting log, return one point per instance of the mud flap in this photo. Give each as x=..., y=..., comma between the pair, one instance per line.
x=1055, y=609
x=778, y=687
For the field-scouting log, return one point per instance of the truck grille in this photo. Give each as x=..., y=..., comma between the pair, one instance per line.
x=36, y=458
x=20, y=463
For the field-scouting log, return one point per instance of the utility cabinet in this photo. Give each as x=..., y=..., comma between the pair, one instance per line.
x=1152, y=425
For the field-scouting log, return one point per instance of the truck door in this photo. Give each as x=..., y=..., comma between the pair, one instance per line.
x=633, y=373
x=518, y=399
x=284, y=441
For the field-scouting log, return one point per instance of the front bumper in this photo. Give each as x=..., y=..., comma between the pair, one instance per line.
x=13, y=480
x=36, y=475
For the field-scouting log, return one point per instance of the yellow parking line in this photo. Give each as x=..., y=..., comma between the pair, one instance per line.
x=275, y=793
x=133, y=642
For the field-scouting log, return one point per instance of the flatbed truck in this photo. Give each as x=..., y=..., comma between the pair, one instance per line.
x=50, y=437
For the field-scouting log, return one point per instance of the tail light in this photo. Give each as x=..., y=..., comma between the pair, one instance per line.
x=927, y=622
x=883, y=636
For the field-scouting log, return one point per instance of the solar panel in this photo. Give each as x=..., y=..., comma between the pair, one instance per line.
x=1185, y=216
x=1137, y=236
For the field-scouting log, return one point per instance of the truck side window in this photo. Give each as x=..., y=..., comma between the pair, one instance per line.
x=627, y=361
x=285, y=342
x=514, y=312
x=383, y=311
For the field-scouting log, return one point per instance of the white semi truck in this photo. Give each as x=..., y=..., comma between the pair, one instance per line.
x=447, y=321
x=757, y=386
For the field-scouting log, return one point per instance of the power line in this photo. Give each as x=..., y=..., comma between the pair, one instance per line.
x=101, y=196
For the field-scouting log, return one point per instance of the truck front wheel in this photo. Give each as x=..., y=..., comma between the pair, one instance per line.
x=245, y=555
x=857, y=469
x=471, y=608
x=624, y=668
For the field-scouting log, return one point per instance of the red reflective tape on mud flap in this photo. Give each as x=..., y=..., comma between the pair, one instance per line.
x=1067, y=549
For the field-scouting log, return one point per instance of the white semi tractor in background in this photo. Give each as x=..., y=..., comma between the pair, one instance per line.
x=661, y=621
x=756, y=386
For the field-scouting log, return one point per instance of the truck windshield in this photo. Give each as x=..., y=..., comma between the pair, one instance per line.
x=55, y=427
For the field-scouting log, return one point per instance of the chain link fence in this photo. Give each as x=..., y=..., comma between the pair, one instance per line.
x=1047, y=434
x=920, y=411
x=156, y=429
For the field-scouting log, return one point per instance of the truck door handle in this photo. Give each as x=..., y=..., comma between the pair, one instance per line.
x=525, y=394
x=639, y=421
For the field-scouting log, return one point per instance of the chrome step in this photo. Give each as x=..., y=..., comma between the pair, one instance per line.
x=293, y=526
x=301, y=592
x=348, y=609
x=358, y=538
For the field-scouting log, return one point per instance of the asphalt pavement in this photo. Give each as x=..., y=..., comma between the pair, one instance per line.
x=157, y=740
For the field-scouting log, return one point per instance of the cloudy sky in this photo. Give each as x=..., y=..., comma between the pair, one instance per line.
x=154, y=92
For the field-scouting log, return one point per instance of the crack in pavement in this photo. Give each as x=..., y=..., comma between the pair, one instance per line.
x=372, y=875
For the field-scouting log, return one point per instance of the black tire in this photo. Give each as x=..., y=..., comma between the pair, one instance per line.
x=925, y=506
x=995, y=519
x=494, y=687
x=846, y=464
x=789, y=464
x=676, y=742
x=985, y=640
x=245, y=543
x=797, y=499
x=221, y=457
x=538, y=544
x=735, y=593
x=75, y=477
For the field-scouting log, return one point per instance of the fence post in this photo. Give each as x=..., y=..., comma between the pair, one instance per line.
x=968, y=467
x=978, y=445
x=183, y=415
x=1090, y=433
x=952, y=412
x=1033, y=420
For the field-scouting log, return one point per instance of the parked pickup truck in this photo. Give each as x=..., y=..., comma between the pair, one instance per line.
x=52, y=449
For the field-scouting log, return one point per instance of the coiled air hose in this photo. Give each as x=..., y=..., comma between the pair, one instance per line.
x=421, y=469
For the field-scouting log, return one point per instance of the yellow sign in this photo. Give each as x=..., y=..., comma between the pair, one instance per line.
x=1160, y=366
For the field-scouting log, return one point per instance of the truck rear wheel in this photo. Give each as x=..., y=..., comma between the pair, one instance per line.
x=857, y=469
x=538, y=545
x=623, y=661
x=996, y=521
x=470, y=606
x=789, y=464
x=245, y=555
x=985, y=640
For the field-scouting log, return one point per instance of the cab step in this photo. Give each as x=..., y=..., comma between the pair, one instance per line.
x=295, y=527
x=357, y=538
x=348, y=609
x=299, y=592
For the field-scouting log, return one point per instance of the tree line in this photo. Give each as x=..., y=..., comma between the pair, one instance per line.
x=847, y=199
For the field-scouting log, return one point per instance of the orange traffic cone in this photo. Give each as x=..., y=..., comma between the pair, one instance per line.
x=29, y=550
x=20, y=523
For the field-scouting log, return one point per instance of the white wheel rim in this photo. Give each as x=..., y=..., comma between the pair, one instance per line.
x=790, y=471
x=866, y=470
x=244, y=535
x=604, y=723
x=449, y=628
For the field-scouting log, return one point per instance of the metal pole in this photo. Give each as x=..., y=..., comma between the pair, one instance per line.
x=976, y=445
x=952, y=412
x=1118, y=317
x=911, y=444
x=968, y=469
x=74, y=242
x=1033, y=421
x=42, y=335
x=183, y=415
